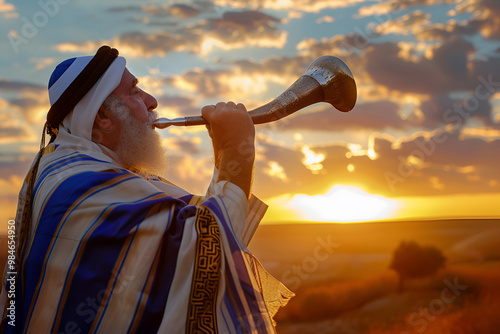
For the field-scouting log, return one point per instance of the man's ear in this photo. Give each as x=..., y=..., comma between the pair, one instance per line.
x=104, y=120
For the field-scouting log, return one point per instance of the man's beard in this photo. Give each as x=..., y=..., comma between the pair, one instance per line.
x=140, y=145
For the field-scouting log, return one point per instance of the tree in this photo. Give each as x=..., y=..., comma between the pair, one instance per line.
x=411, y=260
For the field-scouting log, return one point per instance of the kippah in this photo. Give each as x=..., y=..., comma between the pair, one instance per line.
x=59, y=70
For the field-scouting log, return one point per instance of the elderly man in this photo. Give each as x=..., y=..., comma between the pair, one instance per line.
x=105, y=245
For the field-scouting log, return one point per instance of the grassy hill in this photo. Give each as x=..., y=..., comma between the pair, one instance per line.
x=352, y=291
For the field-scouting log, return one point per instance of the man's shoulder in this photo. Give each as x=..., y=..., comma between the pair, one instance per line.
x=62, y=163
x=61, y=156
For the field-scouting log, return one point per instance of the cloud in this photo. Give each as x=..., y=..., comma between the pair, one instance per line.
x=6, y=7
x=19, y=86
x=446, y=70
x=42, y=63
x=10, y=186
x=206, y=82
x=282, y=69
x=8, y=10
x=392, y=7
x=486, y=16
x=9, y=190
x=462, y=165
x=131, y=45
x=446, y=31
x=404, y=25
x=189, y=173
x=338, y=45
x=485, y=20
x=29, y=100
x=241, y=29
x=189, y=145
x=13, y=134
x=375, y=116
x=441, y=110
x=234, y=30
x=314, y=6
x=14, y=126
x=426, y=73
x=13, y=168
x=326, y=18
x=182, y=11
x=181, y=106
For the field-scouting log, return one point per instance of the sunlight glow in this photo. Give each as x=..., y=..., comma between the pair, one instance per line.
x=344, y=204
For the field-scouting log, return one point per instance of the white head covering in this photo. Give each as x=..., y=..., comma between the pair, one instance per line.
x=80, y=121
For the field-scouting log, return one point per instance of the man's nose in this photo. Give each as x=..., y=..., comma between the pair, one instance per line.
x=149, y=101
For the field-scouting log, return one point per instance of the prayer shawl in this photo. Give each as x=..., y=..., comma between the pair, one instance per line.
x=114, y=252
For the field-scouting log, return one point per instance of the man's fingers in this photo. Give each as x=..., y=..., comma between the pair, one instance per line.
x=211, y=112
x=207, y=108
x=241, y=106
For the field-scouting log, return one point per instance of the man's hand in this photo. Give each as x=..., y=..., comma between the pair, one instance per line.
x=233, y=136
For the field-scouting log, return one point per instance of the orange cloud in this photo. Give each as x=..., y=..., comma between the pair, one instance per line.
x=486, y=16
x=391, y=7
x=302, y=5
x=8, y=10
x=182, y=11
x=404, y=25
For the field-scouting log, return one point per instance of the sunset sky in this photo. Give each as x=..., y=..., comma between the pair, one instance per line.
x=422, y=141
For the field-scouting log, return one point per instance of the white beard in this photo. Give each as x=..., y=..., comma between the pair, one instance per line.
x=140, y=145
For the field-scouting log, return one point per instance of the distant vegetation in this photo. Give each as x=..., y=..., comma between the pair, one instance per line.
x=411, y=260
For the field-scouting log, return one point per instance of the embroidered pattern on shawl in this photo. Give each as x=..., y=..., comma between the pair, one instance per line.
x=201, y=316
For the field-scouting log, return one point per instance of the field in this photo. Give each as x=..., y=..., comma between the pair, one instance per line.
x=340, y=275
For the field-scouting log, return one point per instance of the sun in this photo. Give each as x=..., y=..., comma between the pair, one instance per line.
x=341, y=204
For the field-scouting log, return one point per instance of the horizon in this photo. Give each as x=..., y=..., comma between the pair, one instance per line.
x=386, y=220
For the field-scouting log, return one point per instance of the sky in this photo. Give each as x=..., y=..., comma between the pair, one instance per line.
x=422, y=141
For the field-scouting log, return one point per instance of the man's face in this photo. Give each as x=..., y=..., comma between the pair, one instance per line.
x=128, y=127
x=139, y=145
x=138, y=101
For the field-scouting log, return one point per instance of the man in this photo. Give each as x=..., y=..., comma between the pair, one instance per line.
x=105, y=245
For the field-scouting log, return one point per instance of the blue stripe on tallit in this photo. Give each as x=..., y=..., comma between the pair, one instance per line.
x=61, y=200
x=98, y=259
x=157, y=299
x=61, y=163
x=240, y=266
x=235, y=307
